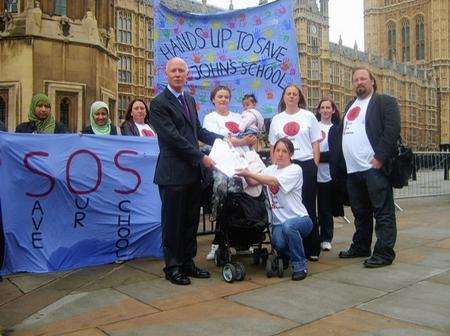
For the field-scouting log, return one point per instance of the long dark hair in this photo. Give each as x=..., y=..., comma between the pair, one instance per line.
x=128, y=116
x=335, y=116
x=301, y=101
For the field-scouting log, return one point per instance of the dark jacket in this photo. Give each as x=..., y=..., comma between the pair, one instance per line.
x=179, y=157
x=88, y=130
x=30, y=127
x=382, y=128
x=2, y=127
x=128, y=127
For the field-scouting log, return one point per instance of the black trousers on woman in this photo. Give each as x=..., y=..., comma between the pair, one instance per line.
x=309, y=195
x=325, y=193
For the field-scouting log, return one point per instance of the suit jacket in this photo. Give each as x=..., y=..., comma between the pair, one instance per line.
x=179, y=155
x=383, y=130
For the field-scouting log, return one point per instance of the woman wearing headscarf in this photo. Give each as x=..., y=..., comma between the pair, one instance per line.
x=136, y=120
x=41, y=119
x=100, y=123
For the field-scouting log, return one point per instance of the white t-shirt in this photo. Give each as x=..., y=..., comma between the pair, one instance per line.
x=358, y=151
x=323, y=172
x=302, y=128
x=145, y=130
x=286, y=200
x=223, y=125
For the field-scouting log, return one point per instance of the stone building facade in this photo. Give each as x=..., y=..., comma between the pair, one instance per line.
x=80, y=51
x=63, y=48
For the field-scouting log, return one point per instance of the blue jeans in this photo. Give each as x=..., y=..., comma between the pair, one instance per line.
x=287, y=239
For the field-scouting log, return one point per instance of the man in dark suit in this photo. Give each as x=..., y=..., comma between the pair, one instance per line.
x=178, y=172
x=368, y=135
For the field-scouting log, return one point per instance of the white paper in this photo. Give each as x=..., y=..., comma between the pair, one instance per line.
x=227, y=158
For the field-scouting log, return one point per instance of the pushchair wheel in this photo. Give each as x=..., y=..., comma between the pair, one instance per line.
x=269, y=266
x=280, y=268
x=264, y=255
x=229, y=273
x=256, y=256
x=240, y=271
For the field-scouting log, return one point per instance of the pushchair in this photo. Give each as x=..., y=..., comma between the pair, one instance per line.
x=242, y=223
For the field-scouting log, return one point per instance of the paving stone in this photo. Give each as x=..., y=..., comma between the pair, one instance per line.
x=217, y=317
x=427, y=232
x=306, y=300
x=425, y=303
x=387, y=279
x=441, y=244
x=29, y=282
x=355, y=322
x=163, y=295
x=121, y=275
x=149, y=265
x=8, y=292
x=17, y=310
x=82, y=311
x=86, y=332
x=443, y=278
x=426, y=256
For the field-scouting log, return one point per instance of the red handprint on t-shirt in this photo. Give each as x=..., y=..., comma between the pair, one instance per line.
x=291, y=128
x=353, y=113
x=232, y=126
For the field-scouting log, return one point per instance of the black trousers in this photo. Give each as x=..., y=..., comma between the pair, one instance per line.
x=371, y=195
x=309, y=194
x=180, y=211
x=325, y=210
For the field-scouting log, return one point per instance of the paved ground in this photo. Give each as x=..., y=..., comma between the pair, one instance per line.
x=340, y=297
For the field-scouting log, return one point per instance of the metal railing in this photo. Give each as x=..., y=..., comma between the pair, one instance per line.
x=430, y=176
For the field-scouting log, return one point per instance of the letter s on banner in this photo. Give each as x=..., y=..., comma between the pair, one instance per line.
x=131, y=171
x=38, y=172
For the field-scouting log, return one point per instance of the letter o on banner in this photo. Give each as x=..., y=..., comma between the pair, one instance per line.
x=99, y=172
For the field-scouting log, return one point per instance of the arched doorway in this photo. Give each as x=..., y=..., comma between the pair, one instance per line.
x=4, y=107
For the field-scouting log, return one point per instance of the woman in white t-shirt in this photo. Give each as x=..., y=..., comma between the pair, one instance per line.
x=226, y=123
x=290, y=223
x=136, y=120
x=328, y=116
x=302, y=128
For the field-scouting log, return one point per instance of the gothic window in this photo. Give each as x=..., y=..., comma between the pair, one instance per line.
x=150, y=36
x=420, y=38
x=124, y=69
x=405, y=42
x=60, y=7
x=149, y=74
x=11, y=6
x=124, y=28
x=64, y=109
x=392, y=40
x=3, y=110
x=123, y=104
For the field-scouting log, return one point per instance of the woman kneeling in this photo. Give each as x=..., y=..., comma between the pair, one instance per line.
x=290, y=222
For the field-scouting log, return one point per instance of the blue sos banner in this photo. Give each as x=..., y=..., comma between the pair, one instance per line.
x=72, y=200
x=251, y=51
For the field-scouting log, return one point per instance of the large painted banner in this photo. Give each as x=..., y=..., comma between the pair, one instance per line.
x=69, y=201
x=251, y=50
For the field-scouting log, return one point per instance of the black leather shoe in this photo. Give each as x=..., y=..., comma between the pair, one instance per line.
x=375, y=262
x=196, y=272
x=178, y=278
x=350, y=253
x=297, y=276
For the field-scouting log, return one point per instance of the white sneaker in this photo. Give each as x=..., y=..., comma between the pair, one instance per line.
x=326, y=246
x=210, y=255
